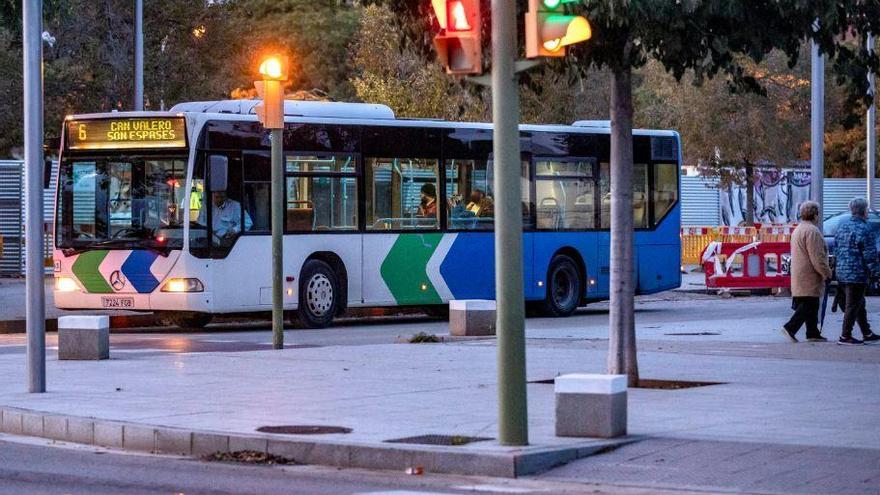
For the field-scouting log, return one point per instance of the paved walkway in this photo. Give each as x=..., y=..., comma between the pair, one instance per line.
x=787, y=418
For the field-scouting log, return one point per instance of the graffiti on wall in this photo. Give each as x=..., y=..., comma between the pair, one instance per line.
x=778, y=196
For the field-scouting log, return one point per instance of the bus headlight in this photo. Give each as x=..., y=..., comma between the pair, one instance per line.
x=65, y=284
x=183, y=285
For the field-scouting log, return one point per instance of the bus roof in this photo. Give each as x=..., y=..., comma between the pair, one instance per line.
x=353, y=113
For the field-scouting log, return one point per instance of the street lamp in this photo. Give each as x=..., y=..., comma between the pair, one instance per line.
x=270, y=111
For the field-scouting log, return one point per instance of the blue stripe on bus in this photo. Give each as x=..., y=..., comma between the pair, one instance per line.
x=137, y=270
x=468, y=268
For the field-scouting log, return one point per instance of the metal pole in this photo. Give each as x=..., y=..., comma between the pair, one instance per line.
x=871, y=124
x=510, y=323
x=277, y=239
x=32, y=19
x=817, y=129
x=138, y=55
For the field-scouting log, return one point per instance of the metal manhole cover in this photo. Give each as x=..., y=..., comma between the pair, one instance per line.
x=303, y=429
x=451, y=440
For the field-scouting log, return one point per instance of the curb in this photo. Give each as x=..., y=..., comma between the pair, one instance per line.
x=506, y=462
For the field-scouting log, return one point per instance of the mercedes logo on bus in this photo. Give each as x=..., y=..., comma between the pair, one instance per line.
x=117, y=280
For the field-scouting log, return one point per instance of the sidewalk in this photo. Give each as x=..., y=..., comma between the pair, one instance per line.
x=817, y=395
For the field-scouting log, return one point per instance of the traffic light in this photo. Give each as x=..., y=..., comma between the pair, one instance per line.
x=270, y=110
x=549, y=30
x=458, y=44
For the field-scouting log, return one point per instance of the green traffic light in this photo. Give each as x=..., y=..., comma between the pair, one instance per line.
x=551, y=4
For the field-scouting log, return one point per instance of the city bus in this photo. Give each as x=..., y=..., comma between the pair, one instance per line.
x=169, y=212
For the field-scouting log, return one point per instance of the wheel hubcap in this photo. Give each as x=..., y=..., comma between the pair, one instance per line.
x=319, y=294
x=563, y=288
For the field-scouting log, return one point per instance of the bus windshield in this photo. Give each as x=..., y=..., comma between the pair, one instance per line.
x=129, y=202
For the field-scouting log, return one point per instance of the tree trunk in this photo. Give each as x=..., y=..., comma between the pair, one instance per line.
x=622, y=333
x=750, y=195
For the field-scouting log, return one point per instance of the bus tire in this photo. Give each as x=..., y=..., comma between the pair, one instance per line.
x=185, y=319
x=564, y=287
x=318, y=294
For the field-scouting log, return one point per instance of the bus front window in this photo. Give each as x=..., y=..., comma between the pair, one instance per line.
x=129, y=202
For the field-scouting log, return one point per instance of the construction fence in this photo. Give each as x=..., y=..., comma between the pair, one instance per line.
x=695, y=239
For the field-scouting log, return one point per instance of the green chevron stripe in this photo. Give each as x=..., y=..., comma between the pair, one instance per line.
x=86, y=270
x=403, y=269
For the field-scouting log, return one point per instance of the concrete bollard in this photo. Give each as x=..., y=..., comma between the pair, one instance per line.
x=471, y=317
x=83, y=337
x=590, y=405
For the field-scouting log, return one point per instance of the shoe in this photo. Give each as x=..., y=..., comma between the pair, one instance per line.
x=790, y=336
x=849, y=341
x=817, y=339
x=872, y=339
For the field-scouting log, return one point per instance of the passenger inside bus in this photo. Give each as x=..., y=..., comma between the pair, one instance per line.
x=428, y=203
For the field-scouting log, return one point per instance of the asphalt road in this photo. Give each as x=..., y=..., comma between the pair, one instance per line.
x=35, y=467
x=669, y=322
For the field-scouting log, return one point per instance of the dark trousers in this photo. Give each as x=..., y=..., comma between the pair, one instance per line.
x=854, y=310
x=806, y=310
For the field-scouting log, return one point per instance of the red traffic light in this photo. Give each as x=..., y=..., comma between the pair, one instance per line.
x=458, y=44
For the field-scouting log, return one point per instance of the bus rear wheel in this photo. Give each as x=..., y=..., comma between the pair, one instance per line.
x=184, y=319
x=318, y=295
x=564, y=287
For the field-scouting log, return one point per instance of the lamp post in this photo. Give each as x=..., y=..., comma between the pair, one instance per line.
x=32, y=27
x=270, y=111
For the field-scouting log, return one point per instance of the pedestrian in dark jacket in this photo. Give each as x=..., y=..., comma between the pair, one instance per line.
x=857, y=263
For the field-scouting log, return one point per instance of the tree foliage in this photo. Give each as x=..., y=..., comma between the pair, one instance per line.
x=193, y=50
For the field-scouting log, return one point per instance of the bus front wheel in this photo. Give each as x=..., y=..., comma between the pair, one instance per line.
x=318, y=294
x=564, y=287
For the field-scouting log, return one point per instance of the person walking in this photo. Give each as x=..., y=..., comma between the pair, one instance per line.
x=856, y=252
x=809, y=271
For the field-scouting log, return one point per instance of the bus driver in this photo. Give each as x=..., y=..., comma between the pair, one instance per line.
x=225, y=216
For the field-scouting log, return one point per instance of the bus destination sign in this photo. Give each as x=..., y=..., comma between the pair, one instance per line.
x=126, y=133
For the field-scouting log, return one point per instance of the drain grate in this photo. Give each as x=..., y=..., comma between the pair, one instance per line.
x=692, y=334
x=672, y=384
x=651, y=383
x=303, y=429
x=450, y=440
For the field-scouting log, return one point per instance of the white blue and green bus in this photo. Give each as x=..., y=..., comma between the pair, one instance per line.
x=168, y=212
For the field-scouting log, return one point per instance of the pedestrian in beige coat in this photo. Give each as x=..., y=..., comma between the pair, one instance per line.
x=809, y=271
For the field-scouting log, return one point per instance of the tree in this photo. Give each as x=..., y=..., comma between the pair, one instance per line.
x=729, y=135
x=706, y=38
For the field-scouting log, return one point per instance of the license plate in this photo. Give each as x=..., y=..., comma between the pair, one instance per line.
x=117, y=302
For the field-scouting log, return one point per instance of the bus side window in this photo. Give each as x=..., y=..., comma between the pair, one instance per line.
x=257, y=190
x=470, y=203
x=566, y=195
x=402, y=193
x=665, y=192
x=198, y=226
x=640, y=196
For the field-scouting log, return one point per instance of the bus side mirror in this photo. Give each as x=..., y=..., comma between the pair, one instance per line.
x=219, y=168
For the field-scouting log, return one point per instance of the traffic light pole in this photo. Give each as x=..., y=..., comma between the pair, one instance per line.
x=139, y=55
x=817, y=128
x=32, y=26
x=870, y=125
x=277, y=239
x=510, y=319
